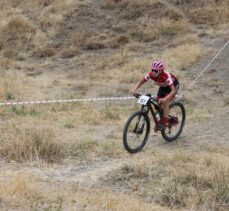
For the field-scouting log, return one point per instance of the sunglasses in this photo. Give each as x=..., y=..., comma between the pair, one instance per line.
x=156, y=71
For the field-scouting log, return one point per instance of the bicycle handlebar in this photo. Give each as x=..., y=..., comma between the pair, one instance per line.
x=152, y=99
x=137, y=95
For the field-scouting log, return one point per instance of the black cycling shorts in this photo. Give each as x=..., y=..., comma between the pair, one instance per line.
x=164, y=91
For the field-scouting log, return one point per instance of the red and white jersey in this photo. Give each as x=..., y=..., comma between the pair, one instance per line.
x=163, y=80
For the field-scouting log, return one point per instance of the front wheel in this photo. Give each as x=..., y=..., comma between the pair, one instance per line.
x=136, y=132
x=176, y=122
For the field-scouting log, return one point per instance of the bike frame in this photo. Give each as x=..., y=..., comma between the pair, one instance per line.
x=152, y=109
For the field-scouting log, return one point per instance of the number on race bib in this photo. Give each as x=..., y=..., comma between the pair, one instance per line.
x=143, y=100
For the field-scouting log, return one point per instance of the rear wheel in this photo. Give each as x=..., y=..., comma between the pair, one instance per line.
x=176, y=122
x=136, y=132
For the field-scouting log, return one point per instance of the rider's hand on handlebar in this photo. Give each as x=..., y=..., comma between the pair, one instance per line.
x=132, y=92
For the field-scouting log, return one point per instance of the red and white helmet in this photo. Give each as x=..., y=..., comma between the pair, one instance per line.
x=158, y=65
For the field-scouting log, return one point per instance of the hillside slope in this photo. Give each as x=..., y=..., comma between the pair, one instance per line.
x=70, y=156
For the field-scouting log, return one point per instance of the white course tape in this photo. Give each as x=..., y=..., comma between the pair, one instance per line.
x=206, y=67
x=65, y=101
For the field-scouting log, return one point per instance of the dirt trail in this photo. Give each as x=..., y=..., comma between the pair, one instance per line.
x=212, y=93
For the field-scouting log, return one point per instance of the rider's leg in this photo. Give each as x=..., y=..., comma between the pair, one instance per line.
x=167, y=102
x=166, y=90
x=166, y=112
x=165, y=106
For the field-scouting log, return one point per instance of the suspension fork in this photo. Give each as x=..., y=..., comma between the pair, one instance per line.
x=139, y=118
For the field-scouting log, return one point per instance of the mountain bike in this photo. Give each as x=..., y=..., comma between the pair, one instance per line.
x=137, y=128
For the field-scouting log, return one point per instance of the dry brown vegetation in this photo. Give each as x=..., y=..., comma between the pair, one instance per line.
x=178, y=180
x=70, y=156
x=29, y=144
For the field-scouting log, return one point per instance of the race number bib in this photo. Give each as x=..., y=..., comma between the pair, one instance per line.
x=143, y=100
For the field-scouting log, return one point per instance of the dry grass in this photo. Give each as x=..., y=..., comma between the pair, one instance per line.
x=45, y=51
x=12, y=85
x=134, y=71
x=163, y=29
x=182, y=57
x=131, y=69
x=18, y=190
x=100, y=200
x=126, y=69
x=29, y=143
x=79, y=38
x=131, y=9
x=91, y=115
x=34, y=35
x=189, y=39
x=176, y=180
x=17, y=35
x=33, y=30
x=70, y=53
x=211, y=15
x=198, y=114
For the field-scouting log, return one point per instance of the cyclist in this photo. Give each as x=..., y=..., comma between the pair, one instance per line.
x=168, y=87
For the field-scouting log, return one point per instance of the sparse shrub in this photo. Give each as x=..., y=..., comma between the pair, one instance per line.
x=131, y=9
x=119, y=58
x=164, y=28
x=210, y=15
x=24, y=111
x=18, y=27
x=79, y=38
x=182, y=56
x=220, y=187
x=29, y=143
x=117, y=42
x=80, y=88
x=190, y=187
x=45, y=51
x=69, y=125
x=176, y=180
x=191, y=101
x=17, y=35
x=190, y=39
x=18, y=187
x=171, y=194
x=136, y=46
x=110, y=113
x=84, y=150
x=11, y=85
x=9, y=52
x=5, y=63
x=69, y=53
x=50, y=21
x=173, y=14
x=42, y=3
x=111, y=148
x=133, y=71
x=134, y=172
x=94, y=45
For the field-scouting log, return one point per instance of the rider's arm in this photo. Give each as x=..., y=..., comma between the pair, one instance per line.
x=138, y=85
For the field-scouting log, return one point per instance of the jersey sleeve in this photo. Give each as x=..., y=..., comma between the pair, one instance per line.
x=169, y=80
x=147, y=77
